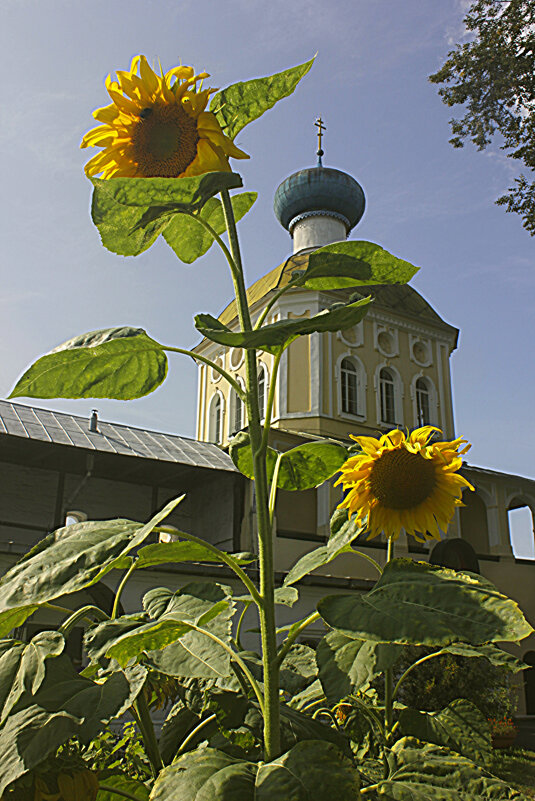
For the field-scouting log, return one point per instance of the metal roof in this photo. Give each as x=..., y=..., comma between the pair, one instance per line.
x=29, y=422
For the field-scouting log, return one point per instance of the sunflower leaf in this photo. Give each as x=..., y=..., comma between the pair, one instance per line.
x=303, y=467
x=188, y=237
x=338, y=543
x=461, y=726
x=70, y=559
x=271, y=338
x=122, y=363
x=241, y=103
x=125, y=230
x=177, y=194
x=425, y=772
x=311, y=771
x=415, y=603
x=353, y=263
x=347, y=665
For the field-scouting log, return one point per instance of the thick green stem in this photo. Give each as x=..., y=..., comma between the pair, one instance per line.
x=273, y=490
x=120, y=589
x=85, y=613
x=272, y=747
x=271, y=397
x=389, y=673
x=147, y=733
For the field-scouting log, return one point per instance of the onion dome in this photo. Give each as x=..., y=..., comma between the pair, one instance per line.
x=319, y=191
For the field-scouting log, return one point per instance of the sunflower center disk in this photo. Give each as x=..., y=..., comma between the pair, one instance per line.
x=402, y=480
x=164, y=141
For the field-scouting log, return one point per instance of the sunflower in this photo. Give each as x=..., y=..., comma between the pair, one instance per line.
x=403, y=482
x=156, y=125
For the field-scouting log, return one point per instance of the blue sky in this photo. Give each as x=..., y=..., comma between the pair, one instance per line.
x=426, y=202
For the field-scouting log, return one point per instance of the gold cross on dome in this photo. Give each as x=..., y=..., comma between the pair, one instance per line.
x=321, y=127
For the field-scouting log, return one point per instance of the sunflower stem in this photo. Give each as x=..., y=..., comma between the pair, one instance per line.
x=271, y=711
x=389, y=673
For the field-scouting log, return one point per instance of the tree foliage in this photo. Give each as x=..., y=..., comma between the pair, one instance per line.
x=493, y=76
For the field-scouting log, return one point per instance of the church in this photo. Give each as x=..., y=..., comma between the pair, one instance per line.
x=392, y=370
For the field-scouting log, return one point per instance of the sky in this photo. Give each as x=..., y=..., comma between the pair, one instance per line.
x=426, y=202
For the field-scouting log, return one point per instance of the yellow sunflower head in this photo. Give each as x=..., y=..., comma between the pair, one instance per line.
x=403, y=482
x=156, y=125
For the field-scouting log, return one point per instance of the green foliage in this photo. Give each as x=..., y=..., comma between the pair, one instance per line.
x=70, y=559
x=353, y=263
x=190, y=239
x=460, y=726
x=166, y=635
x=423, y=772
x=22, y=666
x=161, y=553
x=303, y=467
x=310, y=771
x=437, y=682
x=241, y=103
x=122, y=363
x=347, y=665
x=419, y=604
x=492, y=76
x=121, y=782
x=271, y=338
x=339, y=542
x=130, y=213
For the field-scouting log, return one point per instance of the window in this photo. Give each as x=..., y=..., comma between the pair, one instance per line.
x=387, y=396
x=349, y=386
x=262, y=387
x=423, y=405
x=215, y=419
x=236, y=412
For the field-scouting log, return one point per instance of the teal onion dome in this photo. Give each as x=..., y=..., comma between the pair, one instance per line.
x=319, y=190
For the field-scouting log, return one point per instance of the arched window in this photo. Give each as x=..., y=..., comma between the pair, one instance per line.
x=262, y=390
x=236, y=412
x=423, y=402
x=349, y=386
x=215, y=419
x=387, y=396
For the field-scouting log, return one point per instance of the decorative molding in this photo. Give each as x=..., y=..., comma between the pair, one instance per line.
x=381, y=331
x=425, y=342
x=320, y=213
x=359, y=336
x=406, y=325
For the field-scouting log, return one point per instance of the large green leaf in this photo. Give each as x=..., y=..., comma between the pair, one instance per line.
x=416, y=603
x=161, y=553
x=29, y=737
x=122, y=363
x=347, y=665
x=22, y=666
x=176, y=194
x=339, y=542
x=125, y=230
x=303, y=467
x=135, y=788
x=179, y=722
x=66, y=705
x=490, y=652
x=354, y=263
x=310, y=771
x=243, y=102
x=166, y=639
x=298, y=668
x=130, y=213
x=272, y=337
x=423, y=772
x=70, y=559
x=460, y=726
x=190, y=239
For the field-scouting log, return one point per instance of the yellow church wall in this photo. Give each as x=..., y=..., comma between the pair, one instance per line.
x=298, y=384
